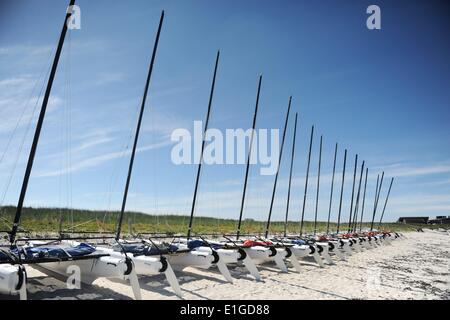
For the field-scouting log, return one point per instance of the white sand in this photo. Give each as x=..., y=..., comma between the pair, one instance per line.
x=417, y=267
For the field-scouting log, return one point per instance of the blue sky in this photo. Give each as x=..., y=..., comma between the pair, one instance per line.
x=380, y=93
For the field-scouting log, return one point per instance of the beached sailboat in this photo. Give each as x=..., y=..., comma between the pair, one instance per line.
x=56, y=256
x=228, y=251
x=13, y=276
x=258, y=249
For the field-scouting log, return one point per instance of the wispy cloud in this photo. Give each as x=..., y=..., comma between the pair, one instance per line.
x=95, y=161
x=402, y=170
x=106, y=78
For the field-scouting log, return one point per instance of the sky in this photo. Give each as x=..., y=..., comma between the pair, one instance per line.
x=382, y=94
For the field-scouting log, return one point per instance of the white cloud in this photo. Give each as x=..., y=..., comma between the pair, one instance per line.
x=95, y=161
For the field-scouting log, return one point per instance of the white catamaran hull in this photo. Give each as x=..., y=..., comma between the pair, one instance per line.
x=93, y=269
x=233, y=256
x=199, y=259
x=13, y=280
x=303, y=250
x=260, y=255
x=325, y=252
x=337, y=250
x=149, y=266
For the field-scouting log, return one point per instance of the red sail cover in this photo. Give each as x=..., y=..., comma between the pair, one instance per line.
x=253, y=243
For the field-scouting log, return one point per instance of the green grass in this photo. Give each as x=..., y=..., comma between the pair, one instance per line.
x=47, y=220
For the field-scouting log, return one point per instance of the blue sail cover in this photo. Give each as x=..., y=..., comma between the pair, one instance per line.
x=192, y=244
x=58, y=251
x=299, y=242
x=143, y=249
x=4, y=257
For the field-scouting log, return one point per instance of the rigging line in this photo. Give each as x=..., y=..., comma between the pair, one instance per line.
x=290, y=175
x=249, y=155
x=6, y=222
x=64, y=168
x=332, y=187
x=385, y=203
x=29, y=167
x=136, y=138
x=377, y=196
x=318, y=186
x=353, y=193
x=375, y=200
x=280, y=157
x=61, y=160
x=379, y=192
x=27, y=128
x=113, y=179
x=205, y=130
x=69, y=129
x=22, y=144
x=364, y=200
x=358, y=194
x=342, y=192
x=22, y=114
x=306, y=180
x=28, y=100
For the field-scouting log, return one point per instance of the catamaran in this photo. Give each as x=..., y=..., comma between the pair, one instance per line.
x=152, y=256
x=54, y=256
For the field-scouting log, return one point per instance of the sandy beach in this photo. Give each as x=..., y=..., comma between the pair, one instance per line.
x=416, y=267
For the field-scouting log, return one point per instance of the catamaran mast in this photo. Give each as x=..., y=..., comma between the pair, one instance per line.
x=138, y=128
x=247, y=168
x=353, y=193
x=342, y=191
x=364, y=200
x=375, y=200
x=377, y=197
x=37, y=133
x=385, y=203
x=358, y=196
x=306, y=181
x=290, y=175
x=318, y=186
x=278, y=168
x=199, y=168
x=332, y=187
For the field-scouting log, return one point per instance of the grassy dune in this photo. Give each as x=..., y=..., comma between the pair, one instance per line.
x=47, y=220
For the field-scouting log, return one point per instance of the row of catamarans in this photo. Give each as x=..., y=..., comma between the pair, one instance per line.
x=128, y=259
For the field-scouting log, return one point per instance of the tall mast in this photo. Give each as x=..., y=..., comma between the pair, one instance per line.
x=199, y=168
x=306, y=180
x=353, y=193
x=278, y=168
x=318, y=186
x=37, y=133
x=332, y=187
x=375, y=201
x=290, y=175
x=364, y=200
x=358, y=194
x=238, y=231
x=342, y=191
x=385, y=203
x=377, y=197
x=138, y=129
